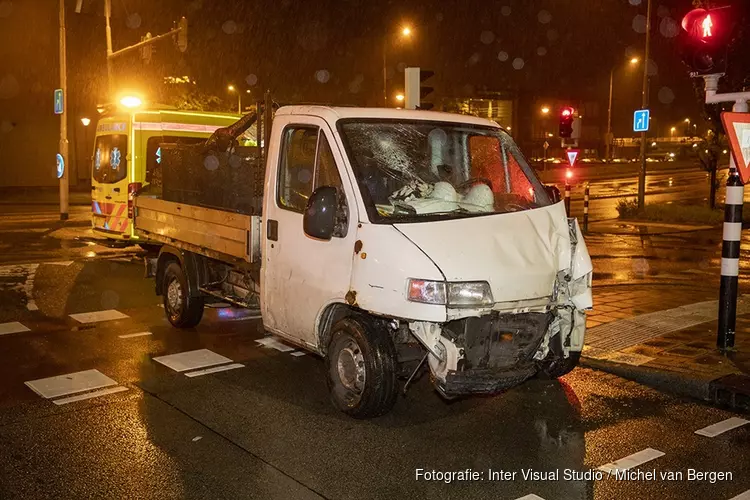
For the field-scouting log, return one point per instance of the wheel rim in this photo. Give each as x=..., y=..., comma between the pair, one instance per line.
x=351, y=367
x=174, y=296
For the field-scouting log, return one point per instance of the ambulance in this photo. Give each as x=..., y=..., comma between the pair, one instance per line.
x=127, y=154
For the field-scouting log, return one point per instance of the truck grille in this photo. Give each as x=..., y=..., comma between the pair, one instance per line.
x=498, y=341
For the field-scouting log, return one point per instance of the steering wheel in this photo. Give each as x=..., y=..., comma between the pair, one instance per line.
x=473, y=181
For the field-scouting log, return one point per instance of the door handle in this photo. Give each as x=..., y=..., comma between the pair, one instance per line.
x=108, y=197
x=116, y=190
x=272, y=230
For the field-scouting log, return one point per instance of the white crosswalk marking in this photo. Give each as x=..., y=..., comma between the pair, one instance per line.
x=191, y=360
x=721, y=427
x=131, y=335
x=90, y=395
x=214, y=369
x=633, y=460
x=71, y=383
x=530, y=496
x=12, y=327
x=96, y=316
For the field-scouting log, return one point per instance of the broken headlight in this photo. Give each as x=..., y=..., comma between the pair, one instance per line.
x=453, y=294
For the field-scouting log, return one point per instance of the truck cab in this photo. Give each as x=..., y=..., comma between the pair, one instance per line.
x=391, y=241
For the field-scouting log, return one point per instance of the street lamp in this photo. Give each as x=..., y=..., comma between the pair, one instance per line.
x=231, y=88
x=545, y=110
x=633, y=61
x=405, y=33
x=671, y=131
x=85, y=121
x=399, y=97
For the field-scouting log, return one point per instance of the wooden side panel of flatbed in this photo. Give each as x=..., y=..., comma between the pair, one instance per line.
x=203, y=230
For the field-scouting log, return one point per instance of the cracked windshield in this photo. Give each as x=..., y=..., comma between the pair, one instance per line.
x=409, y=168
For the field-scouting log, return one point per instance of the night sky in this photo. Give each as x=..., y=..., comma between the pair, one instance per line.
x=331, y=50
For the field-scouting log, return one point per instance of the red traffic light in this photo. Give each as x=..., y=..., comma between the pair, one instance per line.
x=566, y=112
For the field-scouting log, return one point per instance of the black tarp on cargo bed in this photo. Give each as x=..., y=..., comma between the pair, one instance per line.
x=230, y=181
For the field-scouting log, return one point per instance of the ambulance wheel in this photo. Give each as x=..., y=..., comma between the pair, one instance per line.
x=183, y=311
x=361, y=375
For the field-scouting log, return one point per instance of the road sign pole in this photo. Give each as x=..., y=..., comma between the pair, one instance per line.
x=586, y=208
x=63, y=147
x=730, y=249
x=644, y=99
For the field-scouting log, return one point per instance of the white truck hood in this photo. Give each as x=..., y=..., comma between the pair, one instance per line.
x=518, y=253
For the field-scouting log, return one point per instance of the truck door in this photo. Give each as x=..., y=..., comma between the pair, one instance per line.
x=302, y=275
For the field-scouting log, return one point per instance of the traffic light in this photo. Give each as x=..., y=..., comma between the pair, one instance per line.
x=566, y=122
x=705, y=37
x=182, y=35
x=147, y=50
x=415, y=90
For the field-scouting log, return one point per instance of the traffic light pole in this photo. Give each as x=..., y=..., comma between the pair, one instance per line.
x=644, y=100
x=730, y=250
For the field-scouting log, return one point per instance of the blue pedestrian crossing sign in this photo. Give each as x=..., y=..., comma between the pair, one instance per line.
x=58, y=101
x=641, y=120
x=60, y=165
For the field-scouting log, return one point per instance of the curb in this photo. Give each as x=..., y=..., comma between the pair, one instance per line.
x=730, y=392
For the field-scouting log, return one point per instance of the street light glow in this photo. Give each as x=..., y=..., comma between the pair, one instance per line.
x=687, y=120
x=230, y=88
x=85, y=121
x=634, y=60
x=399, y=97
x=406, y=31
x=545, y=110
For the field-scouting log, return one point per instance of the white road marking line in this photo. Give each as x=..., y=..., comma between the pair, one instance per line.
x=96, y=316
x=12, y=327
x=62, y=385
x=742, y=496
x=131, y=335
x=274, y=343
x=214, y=369
x=90, y=395
x=721, y=427
x=192, y=360
x=633, y=460
x=297, y=354
x=60, y=263
x=530, y=496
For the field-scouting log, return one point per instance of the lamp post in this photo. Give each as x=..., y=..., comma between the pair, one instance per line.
x=610, y=138
x=405, y=33
x=671, y=132
x=231, y=88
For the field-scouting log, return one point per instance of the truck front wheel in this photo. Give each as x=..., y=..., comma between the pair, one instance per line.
x=361, y=363
x=183, y=311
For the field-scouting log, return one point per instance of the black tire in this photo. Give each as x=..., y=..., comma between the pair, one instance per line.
x=361, y=369
x=558, y=367
x=183, y=311
x=556, y=364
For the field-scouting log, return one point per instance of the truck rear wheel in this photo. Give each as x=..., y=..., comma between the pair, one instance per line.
x=183, y=311
x=361, y=374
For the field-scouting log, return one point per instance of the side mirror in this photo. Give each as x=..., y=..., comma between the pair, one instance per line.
x=553, y=193
x=319, y=219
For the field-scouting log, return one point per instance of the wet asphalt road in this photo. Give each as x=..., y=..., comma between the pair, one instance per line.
x=267, y=430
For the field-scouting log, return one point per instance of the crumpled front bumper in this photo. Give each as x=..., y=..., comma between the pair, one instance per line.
x=483, y=381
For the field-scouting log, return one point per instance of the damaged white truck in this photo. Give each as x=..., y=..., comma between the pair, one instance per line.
x=386, y=241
